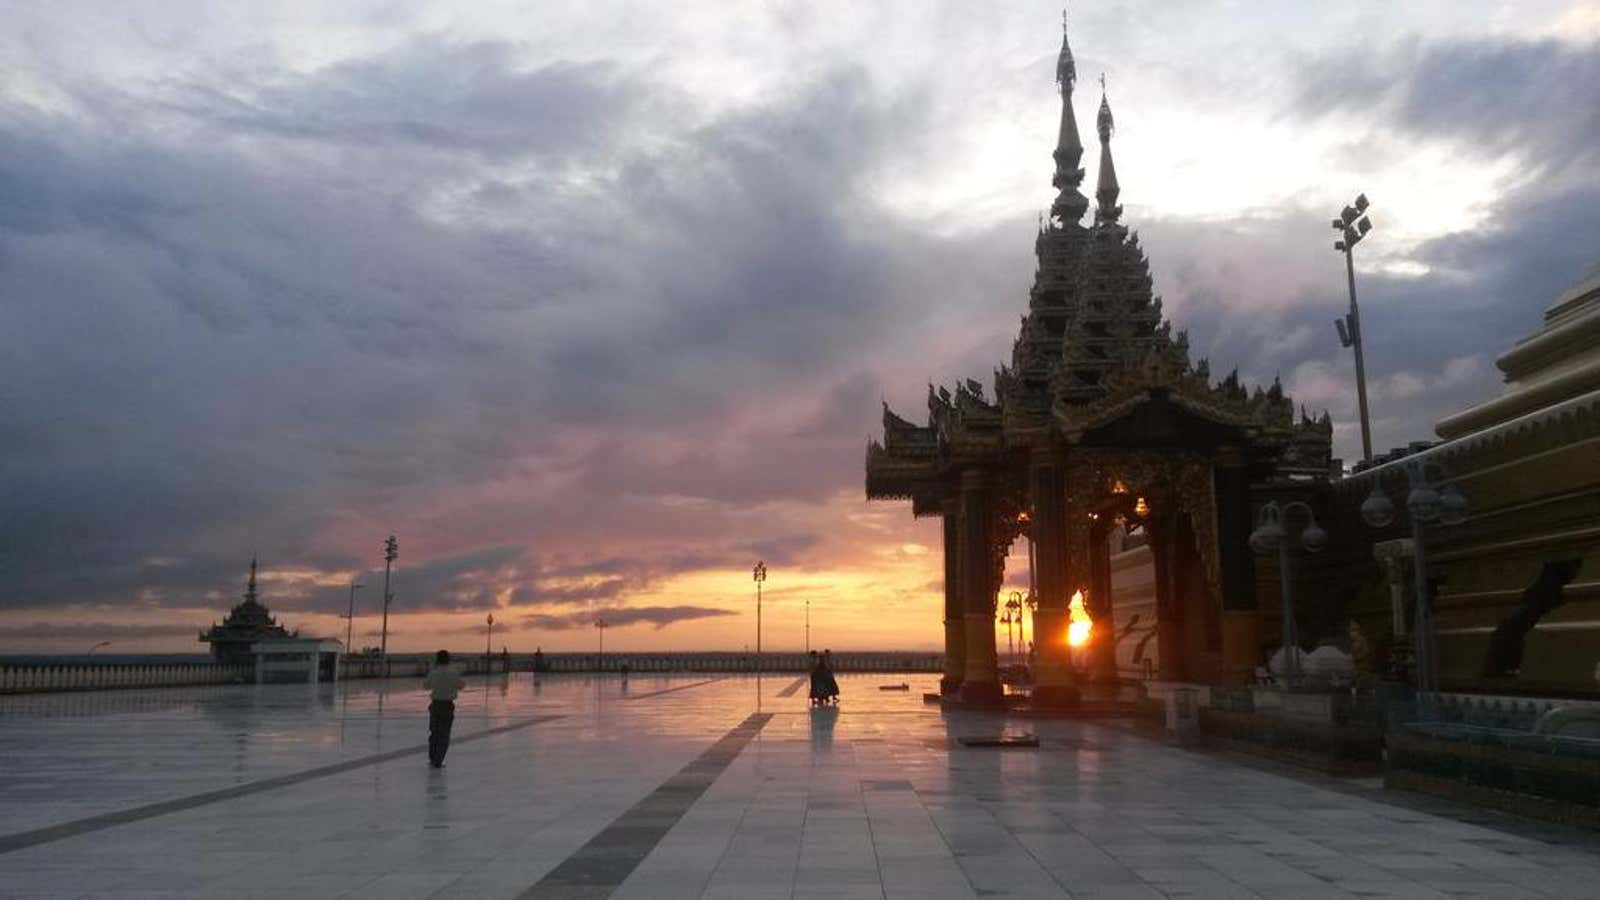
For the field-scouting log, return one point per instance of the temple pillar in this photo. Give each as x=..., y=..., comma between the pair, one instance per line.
x=1169, y=611
x=1103, y=639
x=1396, y=556
x=955, y=640
x=1055, y=683
x=1241, y=640
x=981, y=681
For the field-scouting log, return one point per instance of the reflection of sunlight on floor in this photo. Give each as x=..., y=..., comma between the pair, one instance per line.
x=876, y=794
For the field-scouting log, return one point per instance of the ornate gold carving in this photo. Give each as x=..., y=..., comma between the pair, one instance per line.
x=1172, y=483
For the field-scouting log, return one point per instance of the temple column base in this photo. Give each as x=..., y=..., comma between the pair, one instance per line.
x=1170, y=663
x=982, y=694
x=1241, y=646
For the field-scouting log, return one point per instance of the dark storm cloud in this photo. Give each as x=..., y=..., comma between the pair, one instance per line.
x=437, y=95
x=1539, y=100
x=236, y=342
x=46, y=631
x=659, y=616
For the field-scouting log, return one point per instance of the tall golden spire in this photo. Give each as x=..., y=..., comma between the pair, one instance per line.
x=1070, y=203
x=250, y=586
x=1106, y=189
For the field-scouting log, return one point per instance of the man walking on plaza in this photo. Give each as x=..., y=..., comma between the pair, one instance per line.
x=443, y=684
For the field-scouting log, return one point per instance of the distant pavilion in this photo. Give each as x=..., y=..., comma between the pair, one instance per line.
x=247, y=623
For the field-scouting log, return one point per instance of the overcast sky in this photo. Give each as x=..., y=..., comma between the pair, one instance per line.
x=594, y=304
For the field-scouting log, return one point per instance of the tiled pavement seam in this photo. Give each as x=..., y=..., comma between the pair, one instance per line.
x=681, y=687
x=1547, y=832
x=24, y=839
x=602, y=864
x=795, y=686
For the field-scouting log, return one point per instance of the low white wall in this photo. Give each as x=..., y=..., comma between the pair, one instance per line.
x=43, y=679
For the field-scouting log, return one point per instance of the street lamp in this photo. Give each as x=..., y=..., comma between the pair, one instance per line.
x=1352, y=226
x=1269, y=535
x=391, y=552
x=488, y=643
x=600, y=625
x=760, y=576
x=1013, y=615
x=1031, y=601
x=350, y=614
x=1427, y=505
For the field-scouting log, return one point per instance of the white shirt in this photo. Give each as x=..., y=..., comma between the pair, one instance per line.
x=444, y=683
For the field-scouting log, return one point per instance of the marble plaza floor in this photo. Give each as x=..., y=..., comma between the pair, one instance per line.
x=695, y=786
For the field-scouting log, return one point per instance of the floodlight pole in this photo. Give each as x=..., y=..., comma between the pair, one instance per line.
x=1361, y=363
x=1351, y=233
x=391, y=552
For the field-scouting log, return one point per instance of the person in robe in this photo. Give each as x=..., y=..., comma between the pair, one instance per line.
x=830, y=685
x=818, y=697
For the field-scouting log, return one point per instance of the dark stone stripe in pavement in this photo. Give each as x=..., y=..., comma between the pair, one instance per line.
x=24, y=839
x=681, y=687
x=601, y=865
x=789, y=691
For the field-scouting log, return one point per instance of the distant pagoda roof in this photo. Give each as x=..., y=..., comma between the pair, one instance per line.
x=246, y=623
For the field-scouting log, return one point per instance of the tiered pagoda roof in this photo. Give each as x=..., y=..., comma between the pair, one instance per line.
x=246, y=623
x=1092, y=347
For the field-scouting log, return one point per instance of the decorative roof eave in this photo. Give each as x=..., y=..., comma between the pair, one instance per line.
x=901, y=436
x=1580, y=416
x=926, y=504
x=1186, y=389
x=894, y=474
x=1075, y=421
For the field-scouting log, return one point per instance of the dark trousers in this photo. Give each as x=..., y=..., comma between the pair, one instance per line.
x=441, y=715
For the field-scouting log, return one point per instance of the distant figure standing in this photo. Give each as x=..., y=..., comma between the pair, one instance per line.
x=443, y=684
x=817, y=681
x=828, y=685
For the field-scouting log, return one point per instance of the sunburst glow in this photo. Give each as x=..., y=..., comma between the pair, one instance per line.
x=1079, y=624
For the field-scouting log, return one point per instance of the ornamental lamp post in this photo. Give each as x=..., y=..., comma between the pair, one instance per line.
x=488, y=643
x=1269, y=535
x=1032, y=603
x=1427, y=506
x=1013, y=615
x=600, y=625
x=759, y=574
x=1352, y=226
